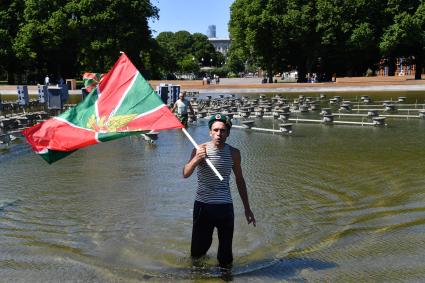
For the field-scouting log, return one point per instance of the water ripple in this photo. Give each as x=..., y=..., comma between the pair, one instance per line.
x=332, y=204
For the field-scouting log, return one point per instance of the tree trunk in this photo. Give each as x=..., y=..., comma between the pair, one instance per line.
x=20, y=79
x=270, y=74
x=10, y=77
x=391, y=66
x=301, y=74
x=270, y=78
x=418, y=71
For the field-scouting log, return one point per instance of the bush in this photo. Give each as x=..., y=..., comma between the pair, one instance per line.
x=232, y=75
x=221, y=72
x=369, y=72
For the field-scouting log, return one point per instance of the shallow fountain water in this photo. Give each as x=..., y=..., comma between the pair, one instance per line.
x=333, y=203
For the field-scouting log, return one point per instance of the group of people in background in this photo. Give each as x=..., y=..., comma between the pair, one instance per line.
x=47, y=81
x=207, y=79
x=312, y=78
x=404, y=66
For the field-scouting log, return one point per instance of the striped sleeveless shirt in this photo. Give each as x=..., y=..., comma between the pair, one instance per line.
x=210, y=188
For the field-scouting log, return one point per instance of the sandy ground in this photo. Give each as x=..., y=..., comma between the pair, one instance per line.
x=254, y=85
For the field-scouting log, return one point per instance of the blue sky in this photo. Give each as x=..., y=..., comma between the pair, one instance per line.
x=192, y=15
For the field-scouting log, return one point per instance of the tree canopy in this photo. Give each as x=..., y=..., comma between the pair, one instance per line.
x=183, y=52
x=67, y=37
x=345, y=37
x=406, y=34
x=64, y=38
x=11, y=14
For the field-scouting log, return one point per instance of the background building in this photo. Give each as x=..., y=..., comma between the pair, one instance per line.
x=211, y=32
x=220, y=44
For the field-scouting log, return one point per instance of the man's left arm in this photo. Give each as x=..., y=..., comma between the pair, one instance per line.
x=174, y=107
x=240, y=183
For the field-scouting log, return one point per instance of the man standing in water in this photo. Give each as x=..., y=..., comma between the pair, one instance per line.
x=213, y=206
x=182, y=105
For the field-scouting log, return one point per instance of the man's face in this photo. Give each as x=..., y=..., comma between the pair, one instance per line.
x=219, y=132
x=181, y=96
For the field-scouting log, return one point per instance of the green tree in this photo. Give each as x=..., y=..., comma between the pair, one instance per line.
x=188, y=64
x=66, y=37
x=406, y=35
x=110, y=26
x=349, y=31
x=168, y=52
x=235, y=60
x=251, y=28
x=182, y=43
x=302, y=46
x=11, y=14
x=153, y=61
x=47, y=40
x=203, y=49
x=182, y=52
x=323, y=36
x=274, y=34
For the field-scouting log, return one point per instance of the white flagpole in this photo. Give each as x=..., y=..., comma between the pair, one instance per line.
x=206, y=159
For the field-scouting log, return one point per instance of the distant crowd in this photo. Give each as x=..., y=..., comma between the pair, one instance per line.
x=208, y=80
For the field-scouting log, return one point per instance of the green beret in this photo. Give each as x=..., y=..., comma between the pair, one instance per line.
x=220, y=117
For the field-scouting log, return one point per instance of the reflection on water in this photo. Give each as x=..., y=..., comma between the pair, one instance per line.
x=333, y=203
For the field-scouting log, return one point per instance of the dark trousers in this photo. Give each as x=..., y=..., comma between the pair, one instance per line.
x=183, y=118
x=206, y=217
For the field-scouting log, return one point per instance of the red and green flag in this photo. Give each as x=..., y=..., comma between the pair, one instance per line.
x=122, y=104
x=91, y=80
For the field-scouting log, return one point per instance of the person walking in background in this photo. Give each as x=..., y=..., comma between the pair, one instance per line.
x=213, y=207
x=46, y=80
x=182, y=105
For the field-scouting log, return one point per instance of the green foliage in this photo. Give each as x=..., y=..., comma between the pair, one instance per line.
x=111, y=26
x=183, y=52
x=272, y=33
x=346, y=37
x=232, y=75
x=188, y=64
x=236, y=60
x=406, y=35
x=327, y=36
x=11, y=13
x=67, y=37
x=152, y=60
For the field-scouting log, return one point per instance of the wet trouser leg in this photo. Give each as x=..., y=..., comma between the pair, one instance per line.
x=225, y=228
x=202, y=231
x=205, y=218
x=183, y=119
